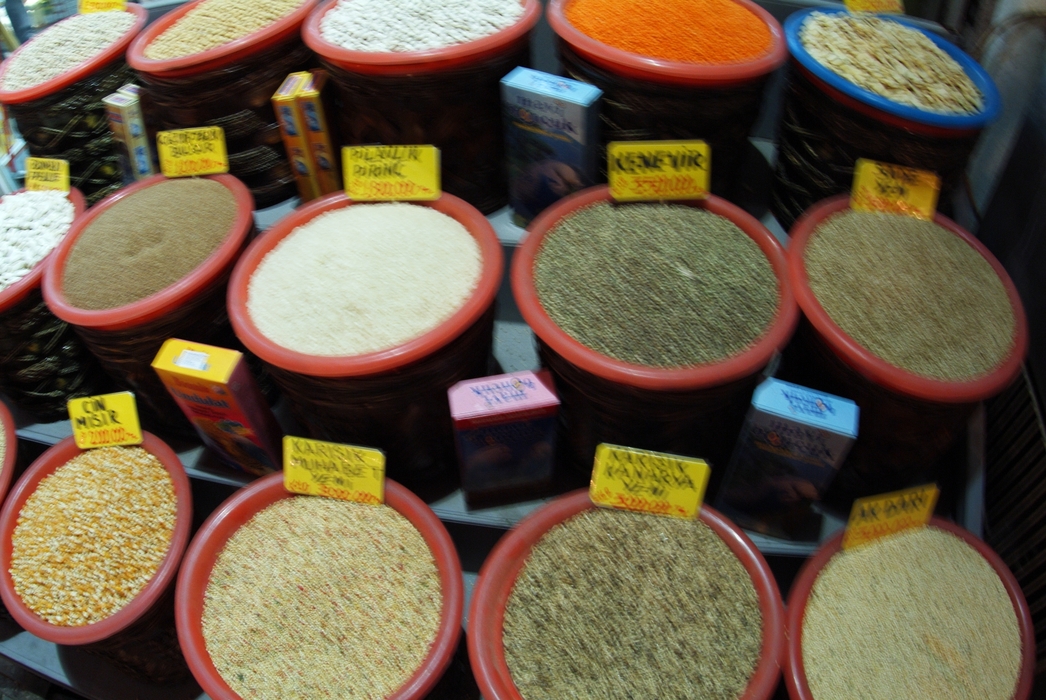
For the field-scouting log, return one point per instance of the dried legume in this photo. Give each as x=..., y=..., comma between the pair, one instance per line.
x=315, y=597
x=415, y=25
x=655, y=284
x=690, y=31
x=147, y=241
x=215, y=23
x=92, y=535
x=912, y=293
x=914, y=616
x=893, y=61
x=64, y=46
x=363, y=278
x=614, y=605
x=31, y=225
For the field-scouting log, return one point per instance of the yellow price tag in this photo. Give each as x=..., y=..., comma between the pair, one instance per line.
x=390, y=173
x=889, y=513
x=188, y=152
x=46, y=174
x=317, y=468
x=894, y=189
x=649, y=482
x=89, y=6
x=105, y=421
x=887, y=7
x=656, y=170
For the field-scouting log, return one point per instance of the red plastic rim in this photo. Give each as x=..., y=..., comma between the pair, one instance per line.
x=283, y=29
x=499, y=572
x=878, y=370
x=660, y=70
x=7, y=465
x=241, y=507
x=163, y=301
x=795, y=673
x=743, y=364
x=414, y=62
x=383, y=360
x=44, y=466
x=21, y=289
x=114, y=52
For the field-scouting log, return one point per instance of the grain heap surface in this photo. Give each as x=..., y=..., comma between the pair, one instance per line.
x=913, y=616
x=315, y=597
x=911, y=292
x=214, y=23
x=92, y=535
x=31, y=225
x=612, y=605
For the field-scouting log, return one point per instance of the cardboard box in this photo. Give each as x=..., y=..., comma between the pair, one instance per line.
x=324, y=155
x=295, y=140
x=793, y=441
x=124, y=112
x=217, y=393
x=552, y=139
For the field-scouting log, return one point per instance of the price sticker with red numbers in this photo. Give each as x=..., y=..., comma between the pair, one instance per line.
x=391, y=173
x=107, y=420
x=649, y=482
x=190, y=152
x=317, y=468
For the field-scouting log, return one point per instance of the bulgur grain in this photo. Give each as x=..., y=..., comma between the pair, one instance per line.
x=215, y=23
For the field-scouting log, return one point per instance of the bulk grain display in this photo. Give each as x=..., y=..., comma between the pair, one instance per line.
x=53, y=87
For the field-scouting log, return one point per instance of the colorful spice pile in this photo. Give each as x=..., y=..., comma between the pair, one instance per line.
x=214, y=23
x=315, y=597
x=147, y=241
x=912, y=293
x=613, y=605
x=92, y=535
x=914, y=616
x=689, y=31
x=31, y=225
x=656, y=284
x=364, y=278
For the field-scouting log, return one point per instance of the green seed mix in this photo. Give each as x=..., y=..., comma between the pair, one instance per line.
x=912, y=293
x=616, y=605
x=660, y=285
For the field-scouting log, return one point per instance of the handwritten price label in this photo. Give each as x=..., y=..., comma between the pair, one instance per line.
x=189, y=152
x=89, y=6
x=46, y=174
x=649, y=482
x=894, y=189
x=889, y=513
x=105, y=421
x=317, y=468
x=890, y=7
x=391, y=173
x=654, y=170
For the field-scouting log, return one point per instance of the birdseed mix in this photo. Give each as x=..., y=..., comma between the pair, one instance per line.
x=31, y=225
x=893, y=61
x=660, y=285
x=415, y=25
x=64, y=46
x=147, y=241
x=92, y=535
x=364, y=278
x=613, y=605
x=911, y=292
x=914, y=616
x=315, y=597
x=214, y=23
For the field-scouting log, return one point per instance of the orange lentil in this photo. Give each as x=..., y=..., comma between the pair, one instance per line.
x=688, y=31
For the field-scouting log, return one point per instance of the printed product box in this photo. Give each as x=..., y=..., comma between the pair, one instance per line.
x=295, y=140
x=505, y=430
x=793, y=441
x=220, y=398
x=552, y=139
x=124, y=112
x=317, y=133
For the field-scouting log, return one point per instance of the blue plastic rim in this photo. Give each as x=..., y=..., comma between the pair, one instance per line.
x=984, y=83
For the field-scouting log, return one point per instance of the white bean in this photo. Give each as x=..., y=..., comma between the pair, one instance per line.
x=31, y=225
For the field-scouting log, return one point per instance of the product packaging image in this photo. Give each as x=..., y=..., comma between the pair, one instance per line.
x=124, y=112
x=317, y=133
x=292, y=128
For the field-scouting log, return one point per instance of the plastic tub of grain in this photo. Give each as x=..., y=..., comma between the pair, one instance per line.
x=53, y=86
x=42, y=361
x=149, y=263
x=674, y=70
x=374, y=592
x=915, y=321
x=427, y=72
x=926, y=613
x=119, y=520
x=922, y=104
x=586, y=602
x=655, y=319
x=365, y=314
x=218, y=63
